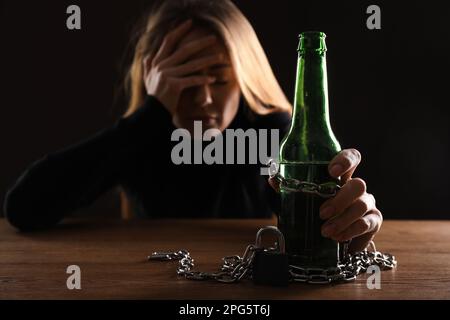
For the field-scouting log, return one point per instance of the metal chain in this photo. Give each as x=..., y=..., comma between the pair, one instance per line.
x=324, y=190
x=352, y=265
x=233, y=268
x=236, y=268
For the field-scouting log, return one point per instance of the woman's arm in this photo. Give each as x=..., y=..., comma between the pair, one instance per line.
x=76, y=176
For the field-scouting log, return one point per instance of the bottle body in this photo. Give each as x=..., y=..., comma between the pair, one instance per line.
x=299, y=219
x=304, y=155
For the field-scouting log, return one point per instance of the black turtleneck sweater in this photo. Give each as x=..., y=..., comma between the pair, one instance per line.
x=135, y=153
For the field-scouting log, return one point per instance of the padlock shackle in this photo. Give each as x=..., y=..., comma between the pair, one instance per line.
x=274, y=230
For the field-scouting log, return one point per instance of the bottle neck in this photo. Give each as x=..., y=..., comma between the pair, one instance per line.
x=311, y=115
x=310, y=138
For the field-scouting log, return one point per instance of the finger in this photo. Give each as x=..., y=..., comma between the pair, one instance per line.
x=361, y=242
x=183, y=53
x=351, y=191
x=344, y=164
x=147, y=61
x=274, y=184
x=170, y=41
x=355, y=211
x=195, y=65
x=192, y=81
x=368, y=225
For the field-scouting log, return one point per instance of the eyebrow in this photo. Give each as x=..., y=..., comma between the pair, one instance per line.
x=215, y=67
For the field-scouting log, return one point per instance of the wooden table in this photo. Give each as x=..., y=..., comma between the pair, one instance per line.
x=112, y=257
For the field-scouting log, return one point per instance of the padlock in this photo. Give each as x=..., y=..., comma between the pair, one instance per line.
x=270, y=265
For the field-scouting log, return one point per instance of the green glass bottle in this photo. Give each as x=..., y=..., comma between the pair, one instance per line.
x=304, y=155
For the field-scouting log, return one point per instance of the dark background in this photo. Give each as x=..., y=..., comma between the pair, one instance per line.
x=388, y=87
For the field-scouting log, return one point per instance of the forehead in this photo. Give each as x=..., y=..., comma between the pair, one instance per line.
x=198, y=33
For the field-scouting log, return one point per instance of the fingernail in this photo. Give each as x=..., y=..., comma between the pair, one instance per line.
x=328, y=229
x=326, y=212
x=336, y=170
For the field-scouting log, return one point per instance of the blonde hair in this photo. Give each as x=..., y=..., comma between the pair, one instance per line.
x=249, y=61
x=254, y=74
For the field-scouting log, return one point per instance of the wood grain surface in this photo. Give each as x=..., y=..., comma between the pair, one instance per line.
x=112, y=257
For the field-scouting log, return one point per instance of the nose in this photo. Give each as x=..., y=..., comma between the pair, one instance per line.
x=203, y=96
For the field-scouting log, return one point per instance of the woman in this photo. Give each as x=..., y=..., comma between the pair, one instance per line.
x=194, y=61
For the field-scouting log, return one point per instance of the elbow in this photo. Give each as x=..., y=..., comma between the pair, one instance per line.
x=17, y=213
x=21, y=211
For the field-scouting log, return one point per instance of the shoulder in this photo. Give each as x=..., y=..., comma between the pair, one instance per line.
x=274, y=120
x=247, y=118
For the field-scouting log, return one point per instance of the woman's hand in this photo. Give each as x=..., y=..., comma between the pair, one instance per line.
x=168, y=73
x=352, y=213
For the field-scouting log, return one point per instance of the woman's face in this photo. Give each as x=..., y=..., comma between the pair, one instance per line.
x=215, y=104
